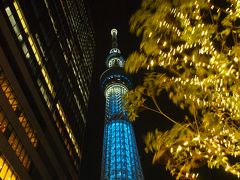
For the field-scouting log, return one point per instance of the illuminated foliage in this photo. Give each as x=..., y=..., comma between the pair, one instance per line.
x=191, y=49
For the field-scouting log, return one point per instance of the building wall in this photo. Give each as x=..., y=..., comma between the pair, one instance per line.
x=46, y=57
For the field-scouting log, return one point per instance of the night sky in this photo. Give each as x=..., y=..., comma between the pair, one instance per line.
x=105, y=15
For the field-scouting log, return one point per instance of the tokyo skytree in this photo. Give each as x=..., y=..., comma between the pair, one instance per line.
x=120, y=159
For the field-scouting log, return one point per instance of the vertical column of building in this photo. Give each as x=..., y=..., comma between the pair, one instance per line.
x=120, y=155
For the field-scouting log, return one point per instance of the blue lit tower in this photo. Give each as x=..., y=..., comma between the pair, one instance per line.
x=120, y=159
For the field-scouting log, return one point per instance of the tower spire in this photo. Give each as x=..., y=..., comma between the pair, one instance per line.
x=114, y=38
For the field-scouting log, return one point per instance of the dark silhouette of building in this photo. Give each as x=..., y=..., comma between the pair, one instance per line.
x=46, y=56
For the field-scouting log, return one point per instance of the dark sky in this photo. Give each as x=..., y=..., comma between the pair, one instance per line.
x=105, y=15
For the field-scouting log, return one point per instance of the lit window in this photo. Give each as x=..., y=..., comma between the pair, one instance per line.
x=3, y=122
x=68, y=128
x=31, y=42
x=12, y=99
x=13, y=140
x=12, y=20
x=14, y=24
x=8, y=11
x=6, y=172
x=16, y=30
x=24, y=48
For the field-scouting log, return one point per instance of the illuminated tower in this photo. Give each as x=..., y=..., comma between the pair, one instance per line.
x=120, y=159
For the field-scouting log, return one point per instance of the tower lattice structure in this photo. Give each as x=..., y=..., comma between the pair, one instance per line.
x=120, y=159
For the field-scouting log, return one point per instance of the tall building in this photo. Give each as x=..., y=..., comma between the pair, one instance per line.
x=120, y=159
x=46, y=57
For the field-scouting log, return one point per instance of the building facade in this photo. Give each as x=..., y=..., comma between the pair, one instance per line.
x=120, y=159
x=46, y=61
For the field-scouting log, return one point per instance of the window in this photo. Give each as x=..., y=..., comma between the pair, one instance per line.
x=12, y=99
x=68, y=128
x=7, y=172
x=3, y=122
x=13, y=140
x=30, y=40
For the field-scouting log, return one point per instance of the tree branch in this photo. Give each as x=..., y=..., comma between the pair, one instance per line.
x=162, y=113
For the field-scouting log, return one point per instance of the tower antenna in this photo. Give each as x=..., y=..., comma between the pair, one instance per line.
x=114, y=38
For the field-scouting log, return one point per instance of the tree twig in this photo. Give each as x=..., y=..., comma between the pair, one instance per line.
x=162, y=113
